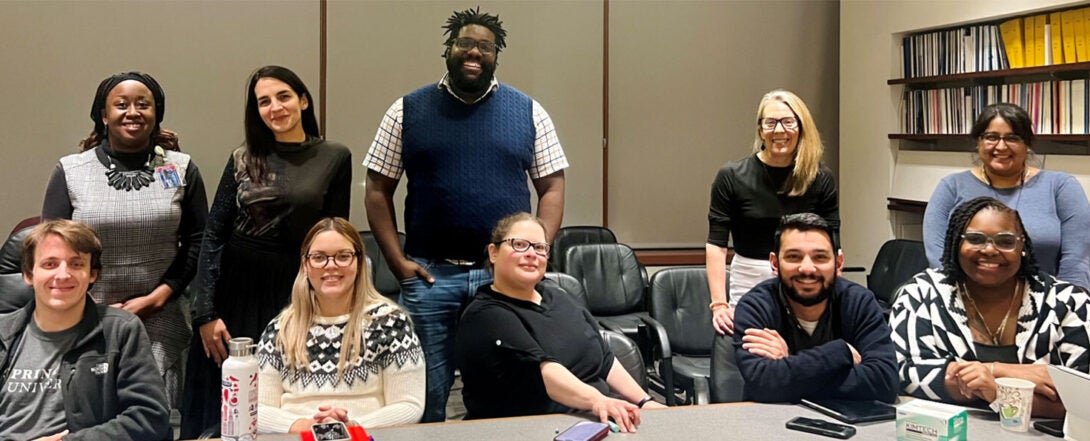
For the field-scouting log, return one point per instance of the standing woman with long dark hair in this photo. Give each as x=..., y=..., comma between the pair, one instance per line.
x=146, y=200
x=283, y=180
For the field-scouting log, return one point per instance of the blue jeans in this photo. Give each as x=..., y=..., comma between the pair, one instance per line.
x=435, y=310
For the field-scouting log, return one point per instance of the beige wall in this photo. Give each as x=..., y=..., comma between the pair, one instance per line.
x=55, y=53
x=869, y=107
x=685, y=80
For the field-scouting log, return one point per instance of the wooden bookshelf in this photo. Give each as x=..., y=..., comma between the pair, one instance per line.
x=938, y=50
x=1067, y=71
x=934, y=137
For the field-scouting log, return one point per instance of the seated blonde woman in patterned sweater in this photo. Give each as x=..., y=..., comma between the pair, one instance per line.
x=340, y=351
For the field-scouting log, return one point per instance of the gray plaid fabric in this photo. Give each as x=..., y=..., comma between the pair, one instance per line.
x=139, y=232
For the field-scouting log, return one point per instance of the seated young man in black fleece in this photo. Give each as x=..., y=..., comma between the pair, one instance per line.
x=71, y=369
x=808, y=333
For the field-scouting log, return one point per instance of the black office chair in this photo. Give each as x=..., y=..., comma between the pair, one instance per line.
x=894, y=265
x=615, y=283
x=726, y=382
x=385, y=281
x=569, y=284
x=679, y=301
x=14, y=292
x=568, y=237
x=628, y=354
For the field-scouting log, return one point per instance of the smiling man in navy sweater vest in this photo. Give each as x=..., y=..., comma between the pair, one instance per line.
x=467, y=145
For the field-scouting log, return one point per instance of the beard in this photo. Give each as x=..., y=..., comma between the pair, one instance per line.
x=463, y=82
x=822, y=295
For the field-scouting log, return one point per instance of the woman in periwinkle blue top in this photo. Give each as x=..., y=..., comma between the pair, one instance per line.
x=1053, y=205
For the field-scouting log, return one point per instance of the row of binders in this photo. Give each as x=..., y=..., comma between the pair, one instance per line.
x=1056, y=107
x=955, y=51
x=1039, y=40
x=1047, y=39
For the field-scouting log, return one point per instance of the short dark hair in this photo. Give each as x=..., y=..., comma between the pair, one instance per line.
x=959, y=221
x=802, y=222
x=458, y=20
x=80, y=237
x=1015, y=116
x=259, y=137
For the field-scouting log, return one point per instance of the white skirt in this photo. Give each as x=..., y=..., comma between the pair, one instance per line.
x=745, y=273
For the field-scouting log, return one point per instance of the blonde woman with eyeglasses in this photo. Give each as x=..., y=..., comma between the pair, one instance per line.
x=1053, y=204
x=340, y=351
x=784, y=175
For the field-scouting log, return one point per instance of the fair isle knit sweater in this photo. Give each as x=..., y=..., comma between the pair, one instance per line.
x=383, y=386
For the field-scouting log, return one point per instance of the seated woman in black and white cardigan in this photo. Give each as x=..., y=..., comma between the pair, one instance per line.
x=988, y=314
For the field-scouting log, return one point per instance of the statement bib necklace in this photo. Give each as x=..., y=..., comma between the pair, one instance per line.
x=132, y=180
x=998, y=334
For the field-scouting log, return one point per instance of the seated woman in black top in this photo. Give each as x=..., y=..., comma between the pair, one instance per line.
x=529, y=349
x=987, y=314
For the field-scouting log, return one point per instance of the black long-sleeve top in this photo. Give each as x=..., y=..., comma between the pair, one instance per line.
x=747, y=202
x=304, y=183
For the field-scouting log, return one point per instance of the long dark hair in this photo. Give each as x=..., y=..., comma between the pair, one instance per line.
x=959, y=221
x=259, y=138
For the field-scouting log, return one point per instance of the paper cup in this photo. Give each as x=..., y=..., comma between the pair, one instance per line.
x=1015, y=399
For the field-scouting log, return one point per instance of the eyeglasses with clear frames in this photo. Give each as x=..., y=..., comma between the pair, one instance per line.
x=521, y=245
x=788, y=123
x=1004, y=241
x=486, y=47
x=341, y=259
x=992, y=139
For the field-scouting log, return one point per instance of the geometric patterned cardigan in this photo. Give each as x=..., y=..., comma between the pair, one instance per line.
x=930, y=329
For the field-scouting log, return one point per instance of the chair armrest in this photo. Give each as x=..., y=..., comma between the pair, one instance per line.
x=657, y=333
x=701, y=391
x=855, y=269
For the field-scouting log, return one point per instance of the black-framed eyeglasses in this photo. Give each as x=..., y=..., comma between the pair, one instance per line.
x=991, y=139
x=521, y=245
x=1004, y=241
x=788, y=123
x=341, y=259
x=486, y=47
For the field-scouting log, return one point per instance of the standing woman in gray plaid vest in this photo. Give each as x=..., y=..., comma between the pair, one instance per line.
x=146, y=200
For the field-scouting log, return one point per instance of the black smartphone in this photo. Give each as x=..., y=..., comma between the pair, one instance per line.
x=1051, y=427
x=821, y=427
x=335, y=431
x=584, y=431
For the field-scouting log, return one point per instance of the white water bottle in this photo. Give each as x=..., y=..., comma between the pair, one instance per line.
x=238, y=410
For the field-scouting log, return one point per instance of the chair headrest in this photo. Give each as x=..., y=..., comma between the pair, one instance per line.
x=11, y=255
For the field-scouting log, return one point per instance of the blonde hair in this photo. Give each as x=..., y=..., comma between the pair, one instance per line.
x=297, y=318
x=809, y=149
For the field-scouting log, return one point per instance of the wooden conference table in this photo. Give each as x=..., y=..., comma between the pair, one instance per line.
x=739, y=421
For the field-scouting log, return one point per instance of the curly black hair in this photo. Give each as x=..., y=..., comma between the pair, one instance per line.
x=959, y=221
x=458, y=20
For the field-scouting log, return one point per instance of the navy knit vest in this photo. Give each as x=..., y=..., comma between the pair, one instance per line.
x=466, y=166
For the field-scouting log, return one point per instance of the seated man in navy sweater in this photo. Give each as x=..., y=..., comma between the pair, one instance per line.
x=808, y=333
